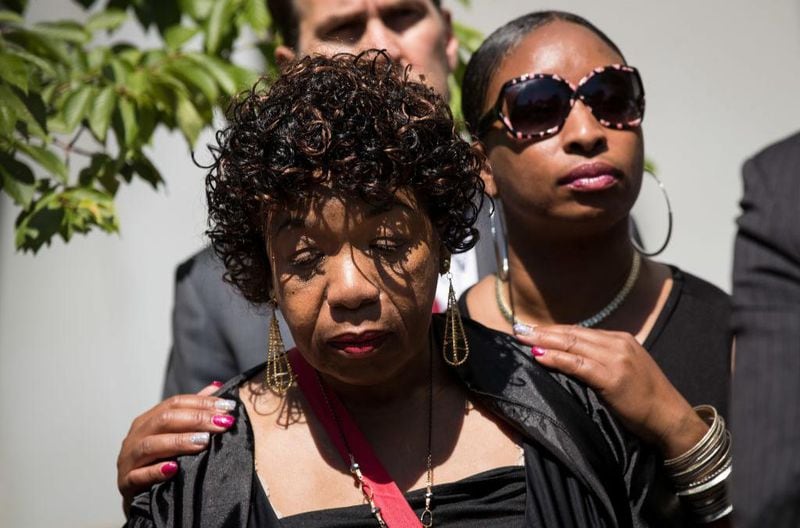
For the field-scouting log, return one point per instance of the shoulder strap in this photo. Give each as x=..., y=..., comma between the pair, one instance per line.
x=387, y=496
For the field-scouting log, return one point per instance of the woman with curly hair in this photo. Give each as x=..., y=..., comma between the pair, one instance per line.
x=339, y=194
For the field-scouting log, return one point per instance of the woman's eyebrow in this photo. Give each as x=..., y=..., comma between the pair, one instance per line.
x=378, y=210
x=290, y=221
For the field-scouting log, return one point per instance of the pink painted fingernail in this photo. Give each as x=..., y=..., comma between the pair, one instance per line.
x=169, y=468
x=223, y=420
x=537, y=351
x=217, y=384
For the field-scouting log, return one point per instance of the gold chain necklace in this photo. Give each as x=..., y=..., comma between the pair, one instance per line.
x=508, y=312
x=426, y=517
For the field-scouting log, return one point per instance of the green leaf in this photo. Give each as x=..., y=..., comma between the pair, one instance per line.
x=218, y=25
x=224, y=73
x=108, y=19
x=147, y=171
x=8, y=120
x=195, y=75
x=46, y=158
x=35, y=105
x=197, y=9
x=15, y=106
x=120, y=70
x=257, y=15
x=65, y=213
x=34, y=60
x=189, y=120
x=97, y=57
x=455, y=101
x=68, y=31
x=130, y=126
x=41, y=45
x=38, y=224
x=10, y=16
x=128, y=53
x=76, y=106
x=17, y=180
x=102, y=168
x=14, y=71
x=177, y=36
x=148, y=120
x=137, y=84
x=469, y=39
x=101, y=112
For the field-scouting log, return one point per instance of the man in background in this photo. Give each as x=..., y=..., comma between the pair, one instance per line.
x=766, y=383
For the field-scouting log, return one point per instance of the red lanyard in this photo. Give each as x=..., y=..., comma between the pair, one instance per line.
x=395, y=509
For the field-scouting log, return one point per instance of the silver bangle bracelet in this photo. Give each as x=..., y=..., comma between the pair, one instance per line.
x=700, y=475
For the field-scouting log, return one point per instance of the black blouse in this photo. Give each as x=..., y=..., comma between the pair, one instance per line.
x=582, y=469
x=492, y=499
x=691, y=340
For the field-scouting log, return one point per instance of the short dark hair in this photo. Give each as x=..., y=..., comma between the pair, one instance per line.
x=353, y=124
x=487, y=58
x=284, y=16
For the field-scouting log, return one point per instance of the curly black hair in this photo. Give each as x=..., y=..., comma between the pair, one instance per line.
x=353, y=124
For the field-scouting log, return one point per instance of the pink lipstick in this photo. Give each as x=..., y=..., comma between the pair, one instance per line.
x=591, y=177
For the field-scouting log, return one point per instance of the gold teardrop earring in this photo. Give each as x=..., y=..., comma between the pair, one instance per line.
x=279, y=375
x=456, y=348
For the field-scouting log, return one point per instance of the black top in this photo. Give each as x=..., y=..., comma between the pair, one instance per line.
x=582, y=469
x=493, y=498
x=690, y=340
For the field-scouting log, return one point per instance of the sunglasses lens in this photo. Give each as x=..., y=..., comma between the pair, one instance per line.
x=615, y=96
x=536, y=106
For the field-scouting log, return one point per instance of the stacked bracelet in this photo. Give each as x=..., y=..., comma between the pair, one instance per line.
x=700, y=475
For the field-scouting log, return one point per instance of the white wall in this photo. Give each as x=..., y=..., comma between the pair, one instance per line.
x=84, y=328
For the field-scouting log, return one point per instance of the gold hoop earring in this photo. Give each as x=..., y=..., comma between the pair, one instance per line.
x=279, y=375
x=455, y=348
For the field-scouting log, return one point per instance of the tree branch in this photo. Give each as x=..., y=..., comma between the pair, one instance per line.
x=68, y=147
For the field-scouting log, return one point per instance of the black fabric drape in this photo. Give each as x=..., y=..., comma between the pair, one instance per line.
x=581, y=468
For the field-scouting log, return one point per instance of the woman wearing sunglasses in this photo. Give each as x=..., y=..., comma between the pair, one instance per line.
x=559, y=112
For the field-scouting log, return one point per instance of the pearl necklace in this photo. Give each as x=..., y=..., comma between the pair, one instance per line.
x=594, y=320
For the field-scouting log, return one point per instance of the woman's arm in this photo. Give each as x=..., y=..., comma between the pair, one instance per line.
x=629, y=381
x=627, y=378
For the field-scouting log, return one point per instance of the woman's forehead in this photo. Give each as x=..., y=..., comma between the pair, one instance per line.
x=336, y=211
x=563, y=48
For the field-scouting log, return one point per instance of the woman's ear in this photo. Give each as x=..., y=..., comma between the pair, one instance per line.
x=490, y=187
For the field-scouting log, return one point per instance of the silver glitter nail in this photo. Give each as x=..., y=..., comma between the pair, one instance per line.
x=225, y=405
x=200, y=438
x=523, y=329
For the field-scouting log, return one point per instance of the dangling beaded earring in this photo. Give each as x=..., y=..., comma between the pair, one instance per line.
x=279, y=376
x=456, y=348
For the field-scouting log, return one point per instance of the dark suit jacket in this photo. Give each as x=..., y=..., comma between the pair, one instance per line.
x=216, y=333
x=766, y=387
